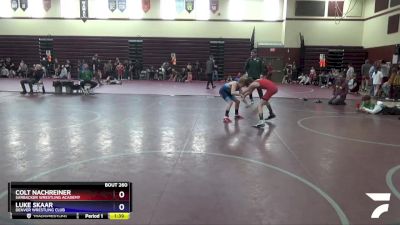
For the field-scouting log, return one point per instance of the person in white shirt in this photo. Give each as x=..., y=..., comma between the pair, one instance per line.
x=377, y=77
x=350, y=72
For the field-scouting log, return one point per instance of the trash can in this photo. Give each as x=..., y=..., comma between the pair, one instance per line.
x=57, y=87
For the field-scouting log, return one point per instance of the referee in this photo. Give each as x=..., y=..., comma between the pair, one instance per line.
x=255, y=69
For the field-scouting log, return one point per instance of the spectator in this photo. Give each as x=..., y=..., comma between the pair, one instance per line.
x=353, y=84
x=385, y=69
x=57, y=68
x=108, y=67
x=22, y=70
x=38, y=74
x=339, y=92
x=68, y=66
x=189, y=72
x=365, y=75
x=120, y=71
x=4, y=72
x=210, y=66
x=9, y=64
x=349, y=72
x=386, y=86
x=313, y=76
x=379, y=108
x=86, y=77
x=304, y=79
x=63, y=73
x=377, y=77
x=270, y=69
x=294, y=71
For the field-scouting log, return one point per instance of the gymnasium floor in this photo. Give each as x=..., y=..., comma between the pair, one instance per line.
x=312, y=164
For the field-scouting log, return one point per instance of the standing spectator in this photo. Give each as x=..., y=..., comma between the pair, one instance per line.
x=131, y=70
x=385, y=69
x=254, y=68
x=339, y=92
x=38, y=74
x=57, y=68
x=210, y=66
x=294, y=71
x=189, y=72
x=120, y=71
x=94, y=66
x=108, y=67
x=377, y=77
x=365, y=75
x=349, y=72
x=269, y=71
x=68, y=67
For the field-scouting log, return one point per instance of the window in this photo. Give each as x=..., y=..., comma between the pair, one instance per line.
x=310, y=8
x=393, y=24
x=381, y=5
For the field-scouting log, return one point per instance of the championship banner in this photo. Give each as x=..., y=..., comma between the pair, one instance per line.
x=23, y=4
x=214, y=6
x=84, y=6
x=189, y=5
x=46, y=5
x=121, y=5
x=112, y=5
x=146, y=5
x=322, y=61
x=180, y=6
x=14, y=4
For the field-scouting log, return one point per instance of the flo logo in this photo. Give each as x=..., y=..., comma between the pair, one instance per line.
x=379, y=197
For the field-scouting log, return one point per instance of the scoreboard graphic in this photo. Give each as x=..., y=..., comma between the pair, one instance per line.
x=70, y=200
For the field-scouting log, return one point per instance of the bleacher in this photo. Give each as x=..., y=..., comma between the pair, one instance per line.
x=153, y=53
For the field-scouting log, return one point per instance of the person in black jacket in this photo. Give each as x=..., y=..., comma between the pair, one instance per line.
x=37, y=74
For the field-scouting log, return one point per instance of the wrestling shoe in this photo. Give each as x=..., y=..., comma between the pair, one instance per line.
x=227, y=120
x=239, y=117
x=271, y=117
x=260, y=124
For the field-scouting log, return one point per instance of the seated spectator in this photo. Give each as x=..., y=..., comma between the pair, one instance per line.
x=86, y=77
x=22, y=70
x=313, y=75
x=353, y=84
x=37, y=75
x=63, y=73
x=379, y=108
x=323, y=79
x=4, y=72
x=393, y=82
x=339, y=92
x=304, y=79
